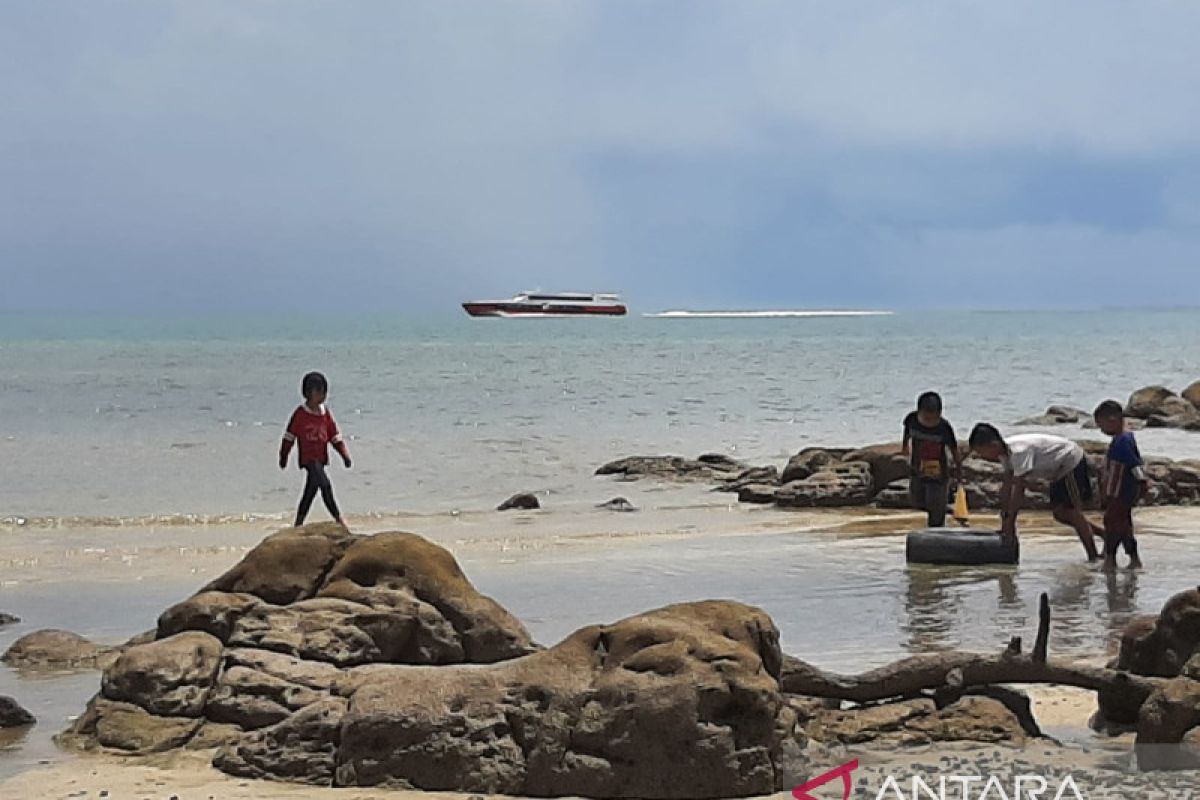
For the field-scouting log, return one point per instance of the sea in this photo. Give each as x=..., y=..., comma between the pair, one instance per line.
x=114, y=419
x=140, y=461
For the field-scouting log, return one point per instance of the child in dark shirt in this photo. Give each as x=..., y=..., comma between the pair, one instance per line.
x=1124, y=481
x=314, y=429
x=928, y=437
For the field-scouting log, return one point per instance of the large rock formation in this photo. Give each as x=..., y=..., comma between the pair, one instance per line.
x=333, y=659
x=273, y=634
x=679, y=702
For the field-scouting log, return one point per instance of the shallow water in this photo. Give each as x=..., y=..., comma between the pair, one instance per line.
x=845, y=601
x=118, y=417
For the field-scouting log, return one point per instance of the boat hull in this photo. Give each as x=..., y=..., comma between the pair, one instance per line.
x=543, y=310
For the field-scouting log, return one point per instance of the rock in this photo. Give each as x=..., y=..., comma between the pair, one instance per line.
x=757, y=493
x=251, y=699
x=749, y=477
x=1148, y=401
x=215, y=613
x=681, y=702
x=1170, y=713
x=1162, y=649
x=230, y=662
x=807, y=462
x=918, y=722
x=894, y=496
x=838, y=485
x=128, y=729
x=1058, y=415
x=1155, y=646
x=388, y=570
x=1192, y=394
x=302, y=748
x=618, y=504
x=887, y=461
x=12, y=715
x=8, y=619
x=705, y=468
x=286, y=566
x=169, y=678
x=522, y=501
x=54, y=649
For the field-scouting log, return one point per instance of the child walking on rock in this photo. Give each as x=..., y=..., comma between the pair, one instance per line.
x=313, y=428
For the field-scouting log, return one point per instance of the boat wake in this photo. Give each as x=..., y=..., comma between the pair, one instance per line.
x=764, y=314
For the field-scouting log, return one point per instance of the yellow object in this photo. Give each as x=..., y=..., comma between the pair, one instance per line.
x=961, y=512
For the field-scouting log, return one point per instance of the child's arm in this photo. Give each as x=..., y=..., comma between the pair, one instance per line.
x=905, y=443
x=289, y=438
x=1011, y=493
x=339, y=444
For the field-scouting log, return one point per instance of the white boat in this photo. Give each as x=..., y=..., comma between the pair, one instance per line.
x=546, y=304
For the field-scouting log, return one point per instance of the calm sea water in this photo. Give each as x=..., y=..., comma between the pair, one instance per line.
x=119, y=417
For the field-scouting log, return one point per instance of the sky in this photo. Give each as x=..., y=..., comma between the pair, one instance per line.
x=375, y=156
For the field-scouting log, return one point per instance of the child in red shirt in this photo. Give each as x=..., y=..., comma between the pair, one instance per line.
x=312, y=426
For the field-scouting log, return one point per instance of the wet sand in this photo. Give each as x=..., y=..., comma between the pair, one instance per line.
x=112, y=583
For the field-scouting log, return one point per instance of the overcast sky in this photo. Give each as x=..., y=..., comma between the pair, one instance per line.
x=409, y=155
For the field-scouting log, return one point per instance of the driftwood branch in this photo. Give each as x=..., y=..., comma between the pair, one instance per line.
x=911, y=676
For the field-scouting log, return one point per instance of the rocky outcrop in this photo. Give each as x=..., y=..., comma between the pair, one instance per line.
x=8, y=619
x=231, y=659
x=836, y=485
x=12, y=715
x=55, y=650
x=705, y=468
x=522, y=501
x=1058, y=415
x=680, y=702
x=917, y=722
x=878, y=476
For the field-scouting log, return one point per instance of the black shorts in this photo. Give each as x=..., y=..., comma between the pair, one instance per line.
x=1073, y=490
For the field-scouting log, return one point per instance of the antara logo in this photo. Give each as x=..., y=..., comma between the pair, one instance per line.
x=952, y=787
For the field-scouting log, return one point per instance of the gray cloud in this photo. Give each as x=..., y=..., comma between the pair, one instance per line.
x=378, y=155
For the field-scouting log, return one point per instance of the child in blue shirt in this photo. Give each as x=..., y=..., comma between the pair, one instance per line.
x=1124, y=480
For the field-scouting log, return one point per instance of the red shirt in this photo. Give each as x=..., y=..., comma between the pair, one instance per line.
x=314, y=431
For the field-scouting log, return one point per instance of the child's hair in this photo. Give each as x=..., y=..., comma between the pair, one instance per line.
x=984, y=434
x=1109, y=408
x=313, y=382
x=931, y=402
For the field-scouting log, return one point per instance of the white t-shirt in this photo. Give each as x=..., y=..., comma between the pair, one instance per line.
x=1041, y=456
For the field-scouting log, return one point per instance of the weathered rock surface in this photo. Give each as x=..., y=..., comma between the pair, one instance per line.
x=680, y=702
x=878, y=475
x=522, y=501
x=845, y=484
x=1148, y=400
x=227, y=661
x=12, y=715
x=918, y=722
x=169, y=678
x=707, y=467
x=287, y=566
x=55, y=649
x=1058, y=415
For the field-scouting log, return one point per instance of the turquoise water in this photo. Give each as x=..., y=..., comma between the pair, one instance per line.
x=112, y=417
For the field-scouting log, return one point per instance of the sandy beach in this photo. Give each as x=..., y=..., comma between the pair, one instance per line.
x=162, y=564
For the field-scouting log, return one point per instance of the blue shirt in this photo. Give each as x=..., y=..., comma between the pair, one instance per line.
x=1123, y=459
